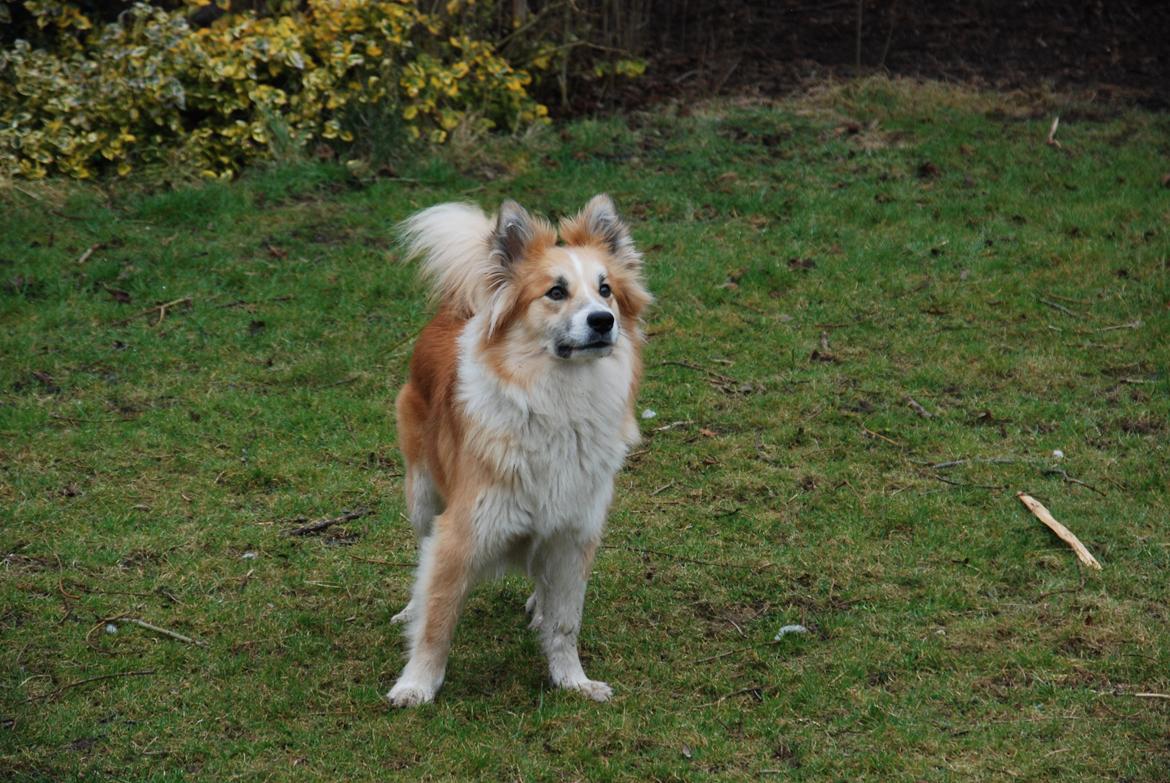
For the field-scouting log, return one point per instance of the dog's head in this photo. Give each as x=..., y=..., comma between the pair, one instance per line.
x=574, y=300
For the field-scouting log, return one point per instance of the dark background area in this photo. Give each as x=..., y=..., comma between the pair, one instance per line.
x=697, y=47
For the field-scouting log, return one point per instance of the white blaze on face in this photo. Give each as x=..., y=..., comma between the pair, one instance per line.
x=585, y=276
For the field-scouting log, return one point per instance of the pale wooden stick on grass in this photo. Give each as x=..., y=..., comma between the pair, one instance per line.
x=164, y=631
x=1065, y=535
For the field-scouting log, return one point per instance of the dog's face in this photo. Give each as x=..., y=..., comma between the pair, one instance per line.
x=573, y=301
x=571, y=308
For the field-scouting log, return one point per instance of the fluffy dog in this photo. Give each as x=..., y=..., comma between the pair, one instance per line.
x=518, y=412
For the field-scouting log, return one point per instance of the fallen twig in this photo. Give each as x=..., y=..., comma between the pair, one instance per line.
x=662, y=489
x=966, y=460
x=755, y=690
x=317, y=527
x=673, y=424
x=1131, y=325
x=164, y=631
x=946, y=480
x=917, y=408
x=160, y=308
x=1151, y=695
x=89, y=251
x=1064, y=474
x=1051, y=140
x=737, y=650
x=63, y=688
x=873, y=434
x=1062, y=532
x=390, y=563
x=723, y=383
x=1059, y=306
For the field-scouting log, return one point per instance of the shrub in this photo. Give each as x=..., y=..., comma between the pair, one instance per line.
x=150, y=89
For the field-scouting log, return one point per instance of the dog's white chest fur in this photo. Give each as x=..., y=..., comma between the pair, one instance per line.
x=554, y=445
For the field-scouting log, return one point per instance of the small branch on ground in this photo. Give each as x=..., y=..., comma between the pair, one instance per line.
x=317, y=527
x=917, y=408
x=946, y=480
x=673, y=425
x=1062, y=532
x=89, y=251
x=164, y=631
x=375, y=561
x=866, y=430
x=1131, y=325
x=1060, y=307
x=737, y=650
x=63, y=688
x=662, y=489
x=755, y=690
x=161, y=309
x=1051, y=140
x=966, y=460
x=1064, y=475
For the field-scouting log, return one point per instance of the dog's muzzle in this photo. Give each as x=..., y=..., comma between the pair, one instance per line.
x=601, y=338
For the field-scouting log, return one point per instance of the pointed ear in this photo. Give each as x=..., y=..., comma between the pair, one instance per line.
x=514, y=233
x=599, y=223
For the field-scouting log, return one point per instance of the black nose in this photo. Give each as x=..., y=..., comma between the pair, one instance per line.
x=600, y=321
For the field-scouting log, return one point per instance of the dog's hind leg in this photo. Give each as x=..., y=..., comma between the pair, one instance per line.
x=564, y=562
x=445, y=574
x=423, y=504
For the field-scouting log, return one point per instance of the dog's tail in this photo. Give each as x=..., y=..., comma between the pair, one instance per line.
x=453, y=241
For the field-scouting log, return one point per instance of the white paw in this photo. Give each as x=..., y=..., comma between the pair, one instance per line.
x=594, y=689
x=405, y=616
x=410, y=694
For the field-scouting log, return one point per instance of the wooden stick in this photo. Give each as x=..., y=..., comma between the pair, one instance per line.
x=89, y=252
x=161, y=309
x=1051, y=140
x=1152, y=695
x=164, y=631
x=917, y=408
x=64, y=688
x=390, y=563
x=317, y=527
x=873, y=434
x=1062, y=532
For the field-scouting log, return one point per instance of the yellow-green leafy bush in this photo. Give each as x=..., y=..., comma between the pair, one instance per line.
x=150, y=89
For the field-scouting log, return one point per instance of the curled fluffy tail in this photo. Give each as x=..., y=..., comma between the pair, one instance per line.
x=454, y=243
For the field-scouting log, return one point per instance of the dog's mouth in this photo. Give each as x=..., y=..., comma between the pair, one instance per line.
x=594, y=349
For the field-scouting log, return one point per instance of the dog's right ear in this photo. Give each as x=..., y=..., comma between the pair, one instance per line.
x=514, y=234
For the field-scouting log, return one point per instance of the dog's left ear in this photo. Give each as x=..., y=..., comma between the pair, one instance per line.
x=599, y=223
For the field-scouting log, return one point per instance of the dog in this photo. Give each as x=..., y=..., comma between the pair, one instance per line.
x=517, y=413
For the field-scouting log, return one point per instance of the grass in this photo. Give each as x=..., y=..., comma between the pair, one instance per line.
x=817, y=262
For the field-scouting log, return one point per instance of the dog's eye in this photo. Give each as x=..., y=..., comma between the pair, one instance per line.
x=604, y=290
x=557, y=293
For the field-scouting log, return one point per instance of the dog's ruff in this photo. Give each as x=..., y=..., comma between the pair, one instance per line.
x=518, y=412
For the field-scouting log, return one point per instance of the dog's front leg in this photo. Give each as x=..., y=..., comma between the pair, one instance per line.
x=444, y=578
x=565, y=561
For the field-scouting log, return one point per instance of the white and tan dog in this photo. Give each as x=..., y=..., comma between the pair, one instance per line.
x=516, y=416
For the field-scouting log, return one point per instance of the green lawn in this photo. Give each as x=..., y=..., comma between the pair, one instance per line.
x=817, y=263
